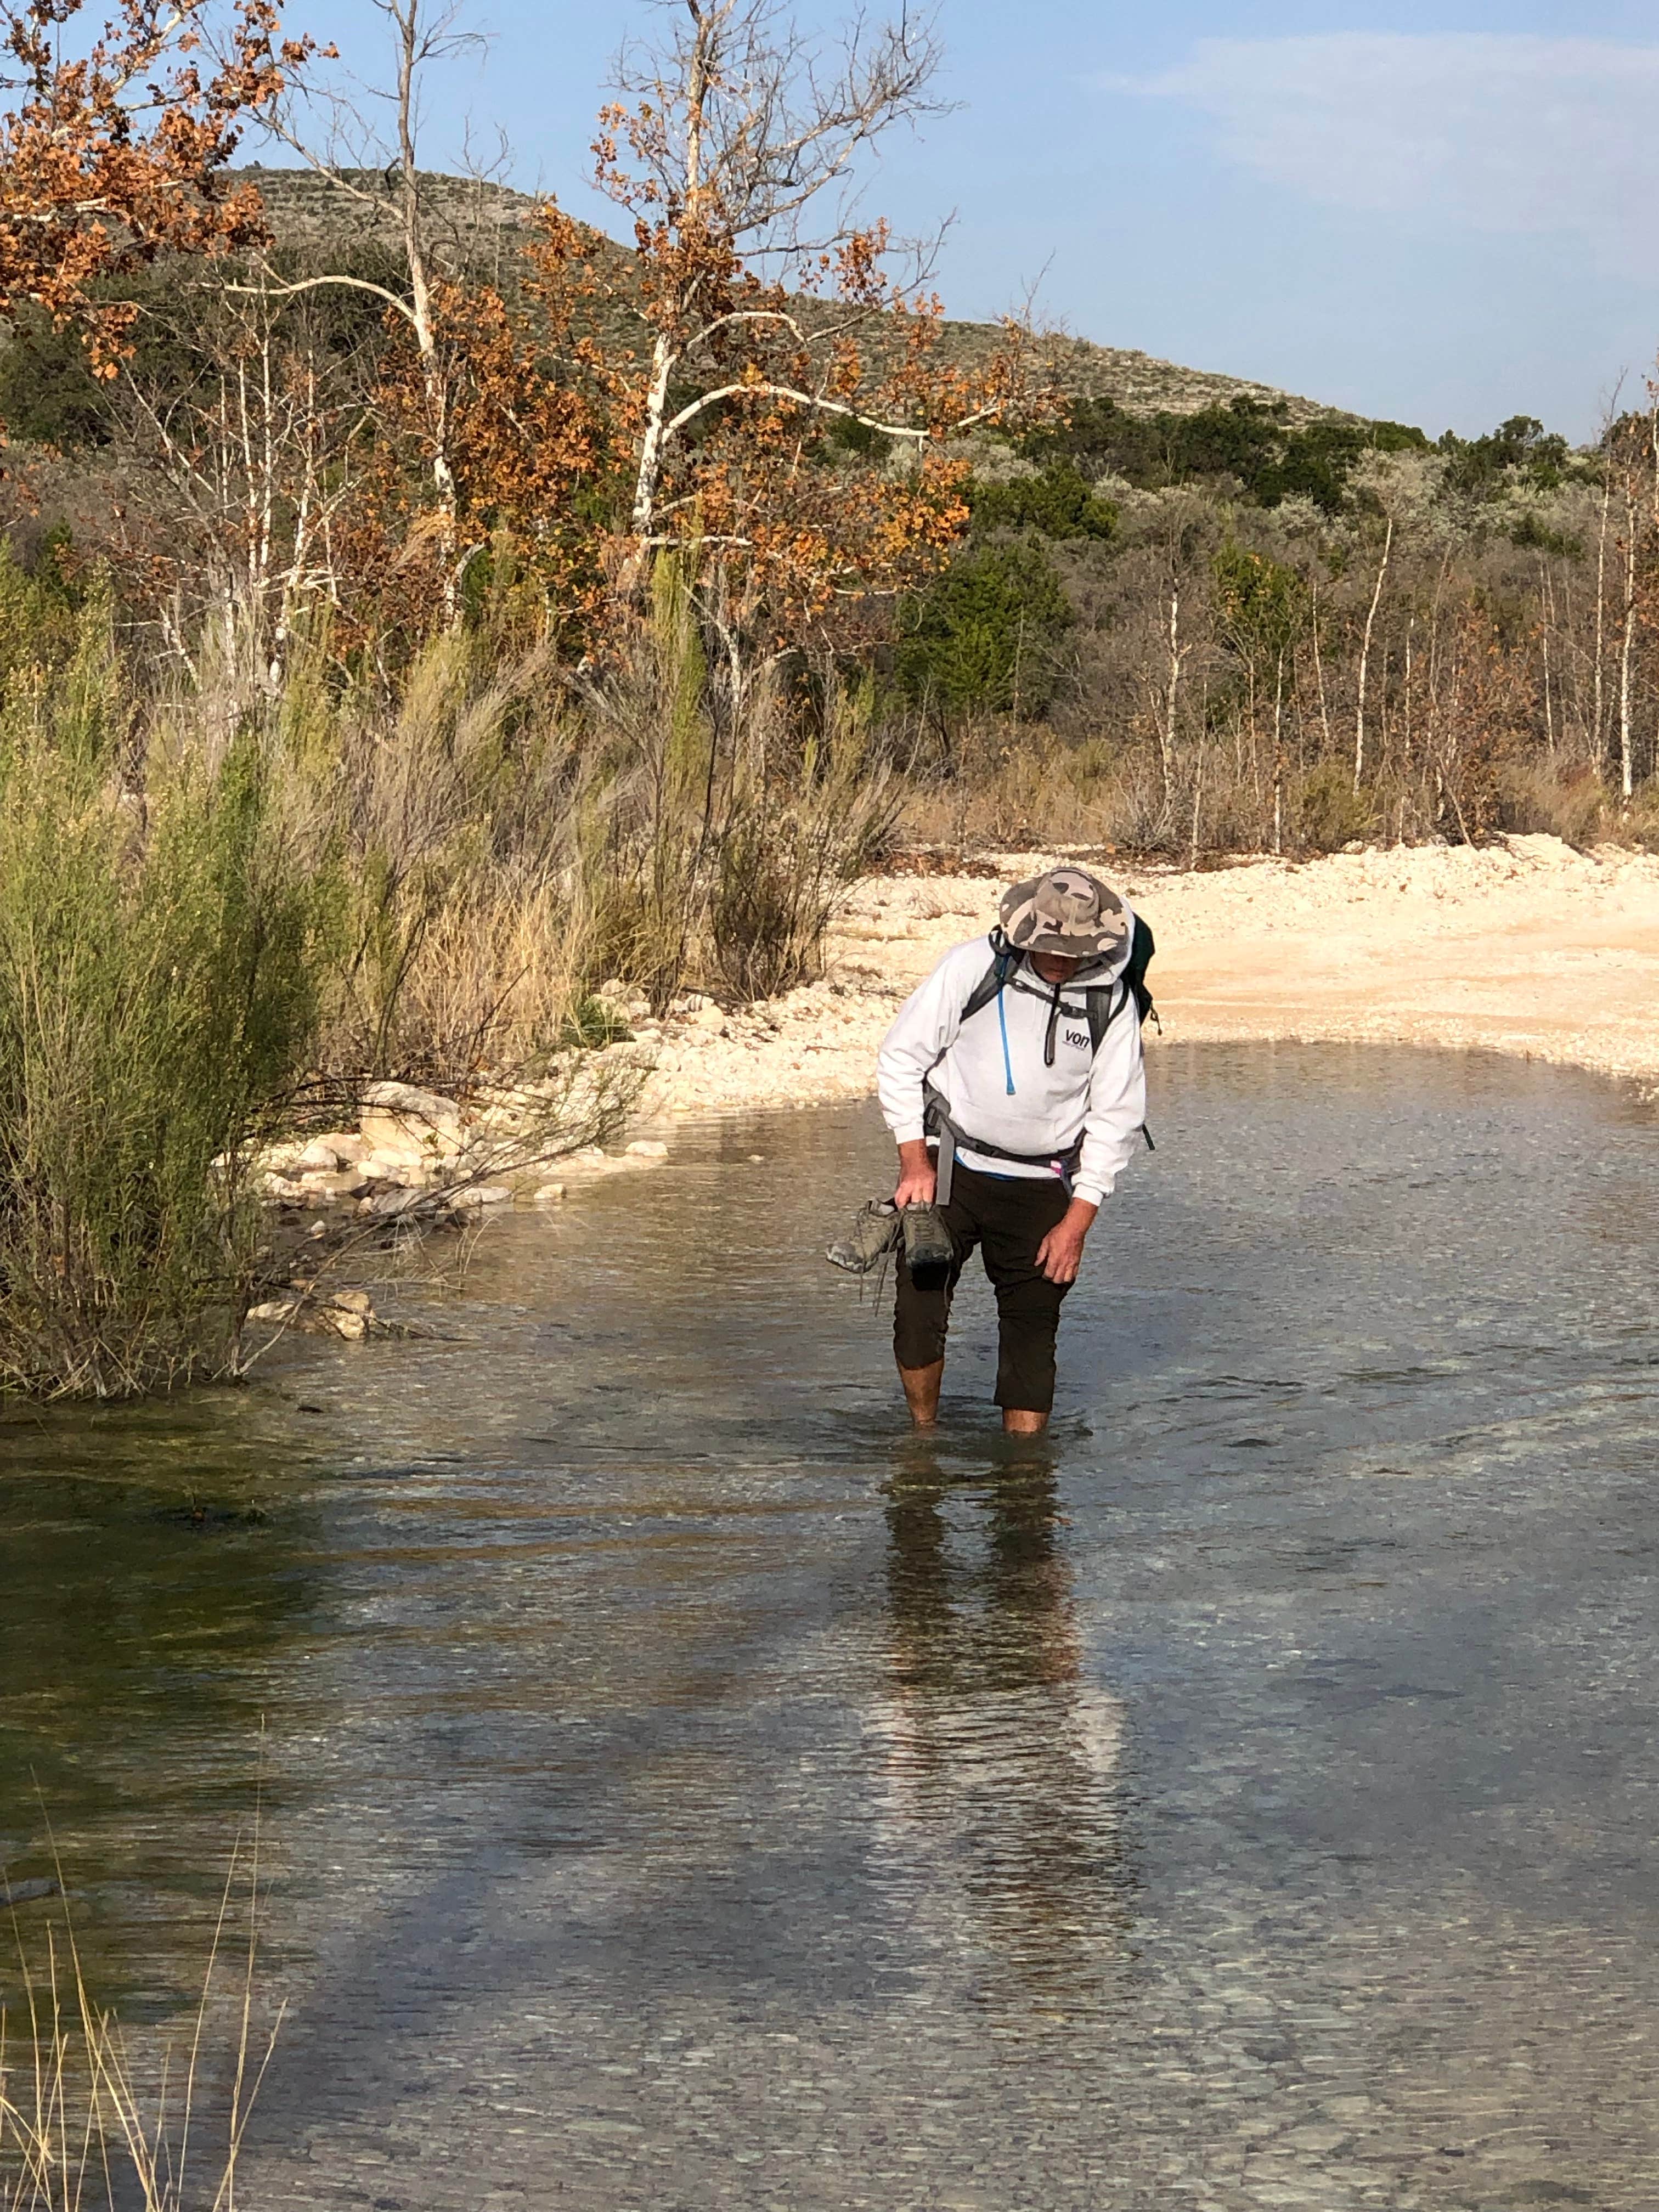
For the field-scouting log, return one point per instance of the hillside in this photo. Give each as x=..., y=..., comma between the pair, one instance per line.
x=474, y=223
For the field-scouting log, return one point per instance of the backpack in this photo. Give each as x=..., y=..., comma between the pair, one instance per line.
x=1098, y=998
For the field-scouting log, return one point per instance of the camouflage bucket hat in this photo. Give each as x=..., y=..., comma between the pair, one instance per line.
x=1068, y=911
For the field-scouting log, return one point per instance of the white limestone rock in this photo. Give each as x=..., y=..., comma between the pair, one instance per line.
x=405, y=1123
x=335, y=1182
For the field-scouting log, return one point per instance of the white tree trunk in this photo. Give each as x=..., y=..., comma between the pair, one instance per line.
x=665, y=354
x=1626, y=765
x=1319, y=676
x=1598, y=710
x=651, y=439
x=1365, y=658
x=433, y=385
x=1167, y=734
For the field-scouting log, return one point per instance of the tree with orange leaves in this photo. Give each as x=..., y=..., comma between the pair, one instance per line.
x=111, y=158
x=529, y=401
x=790, y=422
x=493, y=398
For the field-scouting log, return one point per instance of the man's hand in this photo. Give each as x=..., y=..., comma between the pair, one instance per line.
x=917, y=1180
x=1060, y=1253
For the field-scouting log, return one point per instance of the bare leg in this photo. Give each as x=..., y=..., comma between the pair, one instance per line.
x=921, y=1390
x=1016, y=1421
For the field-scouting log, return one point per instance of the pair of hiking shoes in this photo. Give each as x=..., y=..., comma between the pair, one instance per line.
x=881, y=1226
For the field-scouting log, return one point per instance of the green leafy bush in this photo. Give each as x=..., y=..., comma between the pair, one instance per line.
x=1059, y=503
x=984, y=634
x=1250, y=441
x=1329, y=812
x=161, y=965
x=594, y=1023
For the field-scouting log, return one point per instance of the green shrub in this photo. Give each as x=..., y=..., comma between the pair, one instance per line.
x=48, y=393
x=160, y=976
x=1059, y=503
x=594, y=1023
x=1250, y=441
x=1329, y=812
x=985, y=634
x=38, y=628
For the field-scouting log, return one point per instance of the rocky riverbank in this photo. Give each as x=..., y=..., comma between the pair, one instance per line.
x=414, y=1153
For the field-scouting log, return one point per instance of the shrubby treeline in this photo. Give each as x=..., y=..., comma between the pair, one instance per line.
x=1221, y=631
x=1229, y=634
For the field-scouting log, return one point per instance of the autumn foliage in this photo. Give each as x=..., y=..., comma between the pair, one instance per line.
x=791, y=430
x=780, y=419
x=812, y=473
x=116, y=155
x=529, y=409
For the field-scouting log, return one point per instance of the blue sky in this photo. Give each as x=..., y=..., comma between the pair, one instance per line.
x=1445, y=216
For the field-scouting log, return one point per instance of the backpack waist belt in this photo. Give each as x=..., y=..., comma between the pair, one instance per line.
x=953, y=1138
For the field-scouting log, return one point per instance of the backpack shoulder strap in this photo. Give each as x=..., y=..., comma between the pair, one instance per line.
x=1099, y=999
x=1003, y=964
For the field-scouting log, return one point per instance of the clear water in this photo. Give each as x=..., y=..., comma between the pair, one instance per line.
x=682, y=1789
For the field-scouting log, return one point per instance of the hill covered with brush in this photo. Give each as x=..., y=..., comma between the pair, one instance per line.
x=477, y=224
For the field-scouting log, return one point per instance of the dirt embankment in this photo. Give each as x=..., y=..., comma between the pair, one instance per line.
x=1528, y=947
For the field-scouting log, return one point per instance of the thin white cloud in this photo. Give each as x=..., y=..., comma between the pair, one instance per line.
x=1474, y=130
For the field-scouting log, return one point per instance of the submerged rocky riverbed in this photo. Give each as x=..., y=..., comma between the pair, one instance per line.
x=680, y=1788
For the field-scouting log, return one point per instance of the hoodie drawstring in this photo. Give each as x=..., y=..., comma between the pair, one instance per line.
x=1007, y=1062
x=1048, y=1041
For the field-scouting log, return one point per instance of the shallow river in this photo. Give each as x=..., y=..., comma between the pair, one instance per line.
x=681, y=1788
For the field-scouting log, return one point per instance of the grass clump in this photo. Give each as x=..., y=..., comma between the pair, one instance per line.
x=81, y=2130
x=161, y=963
x=720, y=826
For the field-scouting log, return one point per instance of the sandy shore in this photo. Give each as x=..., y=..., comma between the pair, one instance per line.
x=1528, y=947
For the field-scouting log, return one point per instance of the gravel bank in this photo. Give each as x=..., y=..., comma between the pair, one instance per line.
x=1527, y=947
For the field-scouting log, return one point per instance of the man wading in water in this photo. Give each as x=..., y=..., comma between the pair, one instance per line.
x=1013, y=1082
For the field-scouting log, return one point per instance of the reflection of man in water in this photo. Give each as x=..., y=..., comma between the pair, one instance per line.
x=1000, y=1756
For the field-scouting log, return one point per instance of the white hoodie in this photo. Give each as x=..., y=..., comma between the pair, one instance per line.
x=1006, y=1094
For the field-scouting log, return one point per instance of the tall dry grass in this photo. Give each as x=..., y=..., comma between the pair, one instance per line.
x=1010, y=787
x=85, y=2126
x=717, y=837
x=449, y=810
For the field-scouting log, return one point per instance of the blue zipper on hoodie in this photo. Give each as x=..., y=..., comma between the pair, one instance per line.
x=1007, y=1064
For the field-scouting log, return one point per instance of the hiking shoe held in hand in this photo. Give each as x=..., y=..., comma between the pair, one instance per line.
x=928, y=1252
x=875, y=1231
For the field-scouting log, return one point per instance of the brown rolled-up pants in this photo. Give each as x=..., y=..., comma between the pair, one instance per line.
x=1007, y=1217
